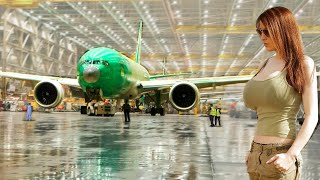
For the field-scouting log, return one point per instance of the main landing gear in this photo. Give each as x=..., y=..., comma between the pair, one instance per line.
x=155, y=110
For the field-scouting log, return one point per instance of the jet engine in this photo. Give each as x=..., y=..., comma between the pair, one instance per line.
x=48, y=93
x=184, y=96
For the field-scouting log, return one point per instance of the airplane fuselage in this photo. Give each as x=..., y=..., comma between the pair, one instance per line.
x=110, y=72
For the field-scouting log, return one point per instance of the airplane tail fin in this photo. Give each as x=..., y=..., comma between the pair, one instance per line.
x=139, y=42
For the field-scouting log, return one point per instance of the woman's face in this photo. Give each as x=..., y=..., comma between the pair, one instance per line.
x=265, y=37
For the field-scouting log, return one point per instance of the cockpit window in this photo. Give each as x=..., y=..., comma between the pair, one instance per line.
x=101, y=62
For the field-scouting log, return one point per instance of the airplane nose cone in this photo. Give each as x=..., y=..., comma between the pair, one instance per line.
x=91, y=74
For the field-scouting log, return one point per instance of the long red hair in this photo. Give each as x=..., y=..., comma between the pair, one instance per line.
x=285, y=34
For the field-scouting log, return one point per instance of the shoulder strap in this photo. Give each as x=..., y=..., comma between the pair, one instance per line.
x=264, y=65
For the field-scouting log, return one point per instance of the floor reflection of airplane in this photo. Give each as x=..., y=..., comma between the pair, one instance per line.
x=106, y=73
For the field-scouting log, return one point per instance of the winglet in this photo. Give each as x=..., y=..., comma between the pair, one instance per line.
x=139, y=42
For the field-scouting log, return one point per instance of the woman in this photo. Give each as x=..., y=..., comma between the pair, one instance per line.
x=276, y=92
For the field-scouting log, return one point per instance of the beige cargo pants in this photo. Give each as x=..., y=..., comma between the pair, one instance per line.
x=258, y=169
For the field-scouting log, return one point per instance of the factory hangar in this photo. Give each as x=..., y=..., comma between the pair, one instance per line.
x=192, y=39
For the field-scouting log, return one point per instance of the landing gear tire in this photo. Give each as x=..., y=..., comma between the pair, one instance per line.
x=161, y=111
x=153, y=111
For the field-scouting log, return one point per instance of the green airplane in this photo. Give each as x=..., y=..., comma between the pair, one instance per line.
x=106, y=73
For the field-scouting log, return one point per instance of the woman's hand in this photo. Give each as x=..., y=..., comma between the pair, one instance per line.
x=282, y=161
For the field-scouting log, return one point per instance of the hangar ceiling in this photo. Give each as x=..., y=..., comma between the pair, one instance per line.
x=205, y=37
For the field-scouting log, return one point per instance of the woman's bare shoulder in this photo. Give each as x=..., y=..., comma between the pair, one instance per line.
x=309, y=63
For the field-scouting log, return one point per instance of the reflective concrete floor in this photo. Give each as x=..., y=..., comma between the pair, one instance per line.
x=74, y=146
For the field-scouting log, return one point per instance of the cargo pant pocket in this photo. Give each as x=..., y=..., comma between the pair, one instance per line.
x=251, y=162
x=269, y=171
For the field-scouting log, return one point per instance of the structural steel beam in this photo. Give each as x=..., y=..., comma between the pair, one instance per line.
x=305, y=29
x=35, y=3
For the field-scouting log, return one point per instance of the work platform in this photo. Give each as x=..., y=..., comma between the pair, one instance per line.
x=67, y=145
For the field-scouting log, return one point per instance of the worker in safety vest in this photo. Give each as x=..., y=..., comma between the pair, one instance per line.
x=212, y=115
x=217, y=117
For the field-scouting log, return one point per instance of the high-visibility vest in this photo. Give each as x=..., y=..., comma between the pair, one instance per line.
x=218, y=112
x=213, y=111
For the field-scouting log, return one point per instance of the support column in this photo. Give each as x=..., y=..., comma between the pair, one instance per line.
x=3, y=55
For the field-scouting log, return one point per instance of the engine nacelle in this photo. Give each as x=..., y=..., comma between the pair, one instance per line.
x=184, y=96
x=48, y=93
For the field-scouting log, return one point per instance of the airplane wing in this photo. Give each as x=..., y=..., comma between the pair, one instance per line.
x=199, y=82
x=168, y=75
x=31, y=77
x=203, y=94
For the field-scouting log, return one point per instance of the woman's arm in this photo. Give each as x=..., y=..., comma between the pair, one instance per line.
x=310, y=104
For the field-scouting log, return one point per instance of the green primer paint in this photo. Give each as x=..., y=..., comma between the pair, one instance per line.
x=118, y=74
